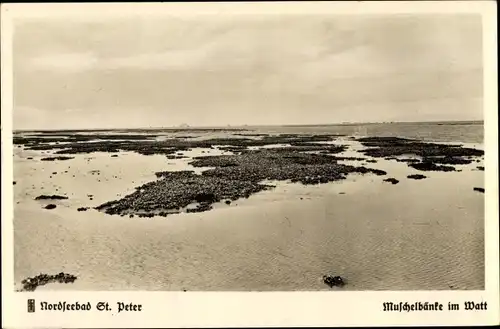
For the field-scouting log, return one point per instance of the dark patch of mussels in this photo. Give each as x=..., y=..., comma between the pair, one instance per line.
x=107, y=143
x=51, y=197
x=416, y=176
x=430, y=166
x=50, y=206
x=56, y=158
x=395, y=146
x=241, y=174
x=407, y=160
x=232, y=177
x=433, y=155
x=30, y=284
x=447, y=160
x=391, y=180
x=200, y=208
x=205, y=198
x=172, y=157
x=333, y=281
x=479, y=189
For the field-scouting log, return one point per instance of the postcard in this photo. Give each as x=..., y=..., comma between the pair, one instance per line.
x=253, y=164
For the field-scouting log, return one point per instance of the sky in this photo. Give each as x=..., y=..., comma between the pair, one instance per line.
x=235, y=70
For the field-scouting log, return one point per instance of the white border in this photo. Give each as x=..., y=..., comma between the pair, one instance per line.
x=212, y=309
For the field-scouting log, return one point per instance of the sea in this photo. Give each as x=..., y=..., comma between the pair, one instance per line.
x=463, y=131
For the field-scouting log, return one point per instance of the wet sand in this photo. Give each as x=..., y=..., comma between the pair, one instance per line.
x=415, y=235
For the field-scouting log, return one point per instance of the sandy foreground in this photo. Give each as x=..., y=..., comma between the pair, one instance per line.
x=417, y=235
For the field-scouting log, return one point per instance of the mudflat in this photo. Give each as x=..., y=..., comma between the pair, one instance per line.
x=246, y=210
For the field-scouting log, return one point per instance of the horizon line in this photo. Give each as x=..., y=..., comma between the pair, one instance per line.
x=229, y=126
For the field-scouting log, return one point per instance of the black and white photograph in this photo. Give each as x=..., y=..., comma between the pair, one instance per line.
x=248, y=152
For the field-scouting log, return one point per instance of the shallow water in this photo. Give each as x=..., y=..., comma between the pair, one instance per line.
x=470, y=132
x=417, y=235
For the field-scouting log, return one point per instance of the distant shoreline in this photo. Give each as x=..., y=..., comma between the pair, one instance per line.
x=250, y=127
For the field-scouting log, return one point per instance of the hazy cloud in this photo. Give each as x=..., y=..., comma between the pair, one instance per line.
x=64, y=62
x=248, y=70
